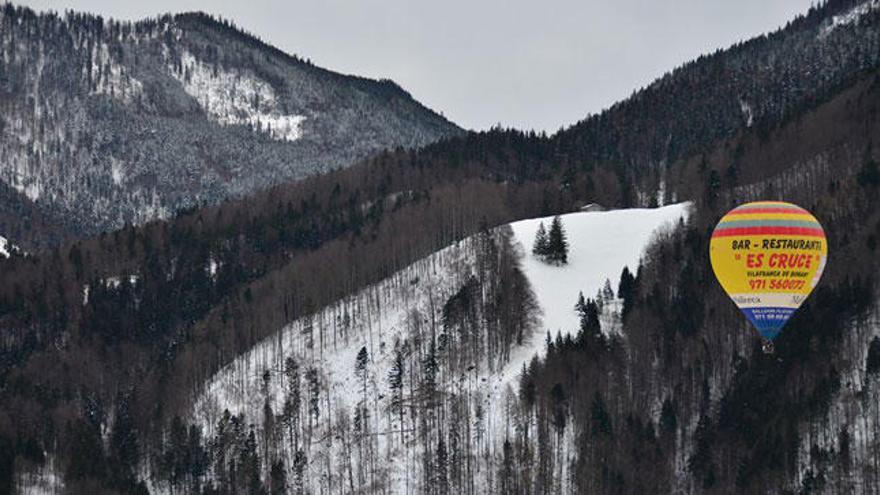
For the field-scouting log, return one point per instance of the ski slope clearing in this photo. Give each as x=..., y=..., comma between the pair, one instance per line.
x=601, y=244
x=351, y=431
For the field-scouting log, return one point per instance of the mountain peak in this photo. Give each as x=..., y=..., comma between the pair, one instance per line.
x=185, y=109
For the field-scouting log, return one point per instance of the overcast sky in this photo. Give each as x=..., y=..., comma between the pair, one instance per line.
x=519, y=63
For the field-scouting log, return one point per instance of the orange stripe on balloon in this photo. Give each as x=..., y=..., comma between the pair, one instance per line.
x=749, y=211
x=803, y=231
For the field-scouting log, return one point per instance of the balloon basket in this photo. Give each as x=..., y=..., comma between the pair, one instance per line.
x=768, y=347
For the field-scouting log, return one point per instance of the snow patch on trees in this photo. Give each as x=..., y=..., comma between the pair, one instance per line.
x=748, y=113
x=237, y=98
x=851, y=16
x=111, y=78
x=112, y=282
x=117, y=173
x=8, y=249
x=39, y=480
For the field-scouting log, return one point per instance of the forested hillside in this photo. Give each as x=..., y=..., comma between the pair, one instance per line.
x=105, y=123
x=109, y=343
x=410, y=385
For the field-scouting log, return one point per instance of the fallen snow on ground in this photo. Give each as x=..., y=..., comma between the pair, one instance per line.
x=40, y=480
x=233, y=97
x=602, y=243
x=408, y=304
x=329, y=342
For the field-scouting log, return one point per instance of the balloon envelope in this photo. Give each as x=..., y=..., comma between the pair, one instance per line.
x=768, y=257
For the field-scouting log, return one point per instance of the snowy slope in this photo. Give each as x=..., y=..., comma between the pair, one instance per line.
x=329, y=341
x=403, y=308
x=237, y=98
x=602, y=243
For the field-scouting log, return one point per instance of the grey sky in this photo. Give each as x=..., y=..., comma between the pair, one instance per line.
x=521, y=63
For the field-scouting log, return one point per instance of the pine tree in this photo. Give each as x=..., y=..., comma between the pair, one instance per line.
x=395, y=382
x=360, y=369
x=176, y=453
x=701, y=462
x=626, y=290
x=198, y=456
x=581, y=304
x=600, y=419
x=607, y=291
x=559, y=408
x=249, y=460
x=540, y=247
x=557, y=244
x=299, y=469
x=588, y=312
x=314, y=392
x=668, y=420
x=123, y=439
x=507, y=468
x=430, y=367
x=442, y=464
x=290, y=413
x=872, y=363
x=278, y=479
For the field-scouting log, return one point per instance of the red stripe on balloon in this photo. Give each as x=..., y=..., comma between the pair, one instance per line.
x=751, y=211
x=804, y=231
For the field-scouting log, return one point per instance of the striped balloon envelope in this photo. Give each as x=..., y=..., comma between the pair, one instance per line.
x=768, y=257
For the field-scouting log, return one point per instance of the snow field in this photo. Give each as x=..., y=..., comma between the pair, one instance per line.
x=406, y=306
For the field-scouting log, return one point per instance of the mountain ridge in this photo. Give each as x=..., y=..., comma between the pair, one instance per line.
x=108, y=122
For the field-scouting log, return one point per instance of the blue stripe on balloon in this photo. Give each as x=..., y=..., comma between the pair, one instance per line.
x=768, y=320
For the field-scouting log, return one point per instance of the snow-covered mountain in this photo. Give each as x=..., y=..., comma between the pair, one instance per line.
x=349, y=412
x=105, y=123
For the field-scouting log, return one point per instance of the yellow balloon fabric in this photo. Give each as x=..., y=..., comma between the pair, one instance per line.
x=768, y=257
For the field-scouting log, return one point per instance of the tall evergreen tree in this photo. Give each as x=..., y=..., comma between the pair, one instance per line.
x=540, y=248
x=314, y=392
x=278, y=479
x=123, y=439
x=290, y=412
x=599, y=417
x=626, y=290
x=395, y=382
x=441, y=468
x=588, y=312
x=299, y=469
x=360, y=369
x=557, y=244
x=430, y=366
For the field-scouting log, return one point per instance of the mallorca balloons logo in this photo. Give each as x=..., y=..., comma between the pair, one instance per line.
x=768, y=257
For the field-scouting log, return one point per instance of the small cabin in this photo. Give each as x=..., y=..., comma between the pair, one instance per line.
x=592, y=207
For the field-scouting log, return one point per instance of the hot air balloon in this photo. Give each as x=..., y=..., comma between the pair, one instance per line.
x=768, y=257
